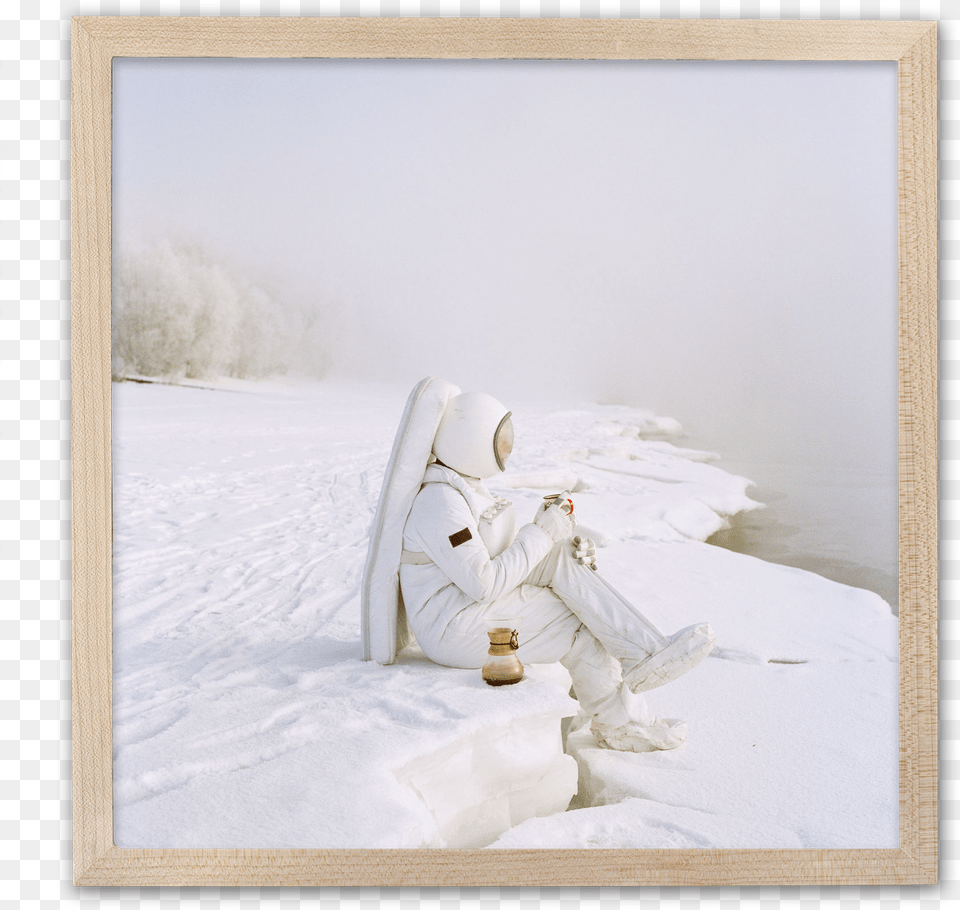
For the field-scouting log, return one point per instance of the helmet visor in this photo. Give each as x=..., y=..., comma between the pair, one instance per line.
x=503, y=441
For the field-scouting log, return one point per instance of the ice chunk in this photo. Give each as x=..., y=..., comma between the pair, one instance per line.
x=484, y=784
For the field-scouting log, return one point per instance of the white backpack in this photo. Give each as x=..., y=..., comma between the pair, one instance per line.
x=384, y=626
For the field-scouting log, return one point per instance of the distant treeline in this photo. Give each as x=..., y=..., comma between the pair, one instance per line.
x=180, y=312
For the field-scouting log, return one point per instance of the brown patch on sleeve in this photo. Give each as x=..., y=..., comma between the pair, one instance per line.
x=460, y=537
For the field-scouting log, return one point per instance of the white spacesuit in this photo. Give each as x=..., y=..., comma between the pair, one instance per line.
x=461, y=562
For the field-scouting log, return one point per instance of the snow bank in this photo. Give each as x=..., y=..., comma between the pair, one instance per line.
x=243, y=716
x=319, y=749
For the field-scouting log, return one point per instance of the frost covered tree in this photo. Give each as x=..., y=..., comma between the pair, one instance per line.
x=178, y=312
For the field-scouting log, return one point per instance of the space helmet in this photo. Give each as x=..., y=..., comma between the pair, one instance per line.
x=475, y=435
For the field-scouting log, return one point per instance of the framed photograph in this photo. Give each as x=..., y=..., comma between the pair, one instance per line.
x=692, y=268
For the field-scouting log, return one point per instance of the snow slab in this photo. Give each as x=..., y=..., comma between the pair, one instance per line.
x=798, y=766
x=243, y=716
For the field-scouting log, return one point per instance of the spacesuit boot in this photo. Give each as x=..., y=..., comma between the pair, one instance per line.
x=620, y=720
x=654, y=735
x=685, y=650
x=648, y=657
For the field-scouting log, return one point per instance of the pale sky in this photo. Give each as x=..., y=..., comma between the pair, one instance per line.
x=717, y=242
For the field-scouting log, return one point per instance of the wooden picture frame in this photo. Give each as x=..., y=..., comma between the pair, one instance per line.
x=97, y=40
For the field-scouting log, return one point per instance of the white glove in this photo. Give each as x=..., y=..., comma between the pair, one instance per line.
x=557, y=523
x=585, y=551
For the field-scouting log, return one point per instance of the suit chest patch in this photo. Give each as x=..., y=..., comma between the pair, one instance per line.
x=460, y=537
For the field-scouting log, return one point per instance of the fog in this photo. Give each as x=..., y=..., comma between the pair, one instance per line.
x=714, y=241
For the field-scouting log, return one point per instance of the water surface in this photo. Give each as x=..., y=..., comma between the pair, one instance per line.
x=839, y=523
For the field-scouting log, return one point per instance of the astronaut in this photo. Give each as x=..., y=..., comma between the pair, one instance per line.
x=463, y=562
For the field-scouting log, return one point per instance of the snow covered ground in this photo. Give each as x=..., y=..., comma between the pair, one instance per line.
x=244, y=716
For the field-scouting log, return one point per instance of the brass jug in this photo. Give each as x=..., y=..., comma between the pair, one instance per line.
x=502, y=667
